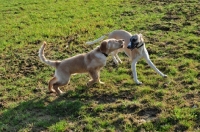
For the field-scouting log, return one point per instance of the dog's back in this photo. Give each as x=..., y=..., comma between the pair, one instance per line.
x=121, y=34
x=83, y=62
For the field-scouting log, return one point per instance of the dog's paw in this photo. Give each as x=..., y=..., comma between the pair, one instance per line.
x=139, y=83
x=101, y=82
x=52, y=91
x=165, y=76
x=116, y=62
x=120, y=61
x=62, y=94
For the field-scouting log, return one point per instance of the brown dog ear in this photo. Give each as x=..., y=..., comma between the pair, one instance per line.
x=103, y=46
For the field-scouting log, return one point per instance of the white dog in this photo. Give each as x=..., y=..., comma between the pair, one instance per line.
x=134, y=48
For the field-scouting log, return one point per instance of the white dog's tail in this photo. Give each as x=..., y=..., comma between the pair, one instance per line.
x=97, y=40
x=43, y=58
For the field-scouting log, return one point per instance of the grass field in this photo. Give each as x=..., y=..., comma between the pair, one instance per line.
x=172, y=34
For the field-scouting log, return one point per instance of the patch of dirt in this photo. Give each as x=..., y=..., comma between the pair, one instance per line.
x=149, y=112
x=196, y=32
x=189, y=96
x=192, y=56
x=2, y=105
x=180, y=128
x=170, y=17
x=145, y=101
x=186, y=23
x=127, y=109
x=165, y=27
x=36, y=42
x=127, y=13
x=197, y=117
x=105, y=98
x=182, y=67
x=159, y=27
x=152, y=39
x=36, y=90
x=71, y=38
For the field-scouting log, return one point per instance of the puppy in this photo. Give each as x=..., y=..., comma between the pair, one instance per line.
x=134, y=48
x=90, y=62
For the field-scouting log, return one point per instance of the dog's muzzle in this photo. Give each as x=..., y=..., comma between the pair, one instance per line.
x=134, y=43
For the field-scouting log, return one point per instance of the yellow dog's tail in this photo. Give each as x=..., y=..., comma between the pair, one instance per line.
x=43, y=58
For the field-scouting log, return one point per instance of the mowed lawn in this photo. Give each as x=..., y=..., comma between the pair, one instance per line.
x=171, y=29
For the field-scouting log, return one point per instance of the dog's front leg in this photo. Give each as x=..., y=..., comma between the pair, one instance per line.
x=99, y=78
x=115, y=59
x=133, y=67
x=150, y=63
x=95, y=77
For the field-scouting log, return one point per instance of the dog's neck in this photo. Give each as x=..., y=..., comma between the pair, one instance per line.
x=140, y=48
x=106, y=55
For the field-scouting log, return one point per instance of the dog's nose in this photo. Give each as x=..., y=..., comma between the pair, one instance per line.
x=129, y=46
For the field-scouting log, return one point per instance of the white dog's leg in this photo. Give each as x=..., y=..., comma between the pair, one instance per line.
x=150, y=63
x=133, y=67
x=117, y=57
x=154, y=67
x=114, y=58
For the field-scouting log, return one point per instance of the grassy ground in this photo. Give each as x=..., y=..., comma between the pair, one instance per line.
x=172, y=35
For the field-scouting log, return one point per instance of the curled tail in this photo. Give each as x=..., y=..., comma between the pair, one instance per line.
x=43, y=58
x=97, y=40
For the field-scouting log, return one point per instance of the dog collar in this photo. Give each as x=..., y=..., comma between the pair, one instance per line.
x=140, y=45
x=106, y=55
x=133, y=46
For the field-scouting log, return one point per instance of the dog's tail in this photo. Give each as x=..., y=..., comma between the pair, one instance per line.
x=97, y=40
x=43, y=58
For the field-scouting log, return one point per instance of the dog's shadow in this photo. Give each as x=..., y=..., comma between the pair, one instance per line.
x=38, y=114
x=43, y=112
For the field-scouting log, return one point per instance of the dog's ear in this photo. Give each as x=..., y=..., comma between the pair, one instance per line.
x=103, y=46
x=141, y=37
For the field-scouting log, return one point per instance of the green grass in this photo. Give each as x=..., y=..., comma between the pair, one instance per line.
x=172, y=35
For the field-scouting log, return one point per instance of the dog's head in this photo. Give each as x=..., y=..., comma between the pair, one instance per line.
x=110, y=45
x=136, y=41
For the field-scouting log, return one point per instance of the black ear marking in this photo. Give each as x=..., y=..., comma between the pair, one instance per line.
x=134, y=38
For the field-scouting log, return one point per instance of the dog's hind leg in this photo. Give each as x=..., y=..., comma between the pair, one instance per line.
x=59, y=83
x=50, y=84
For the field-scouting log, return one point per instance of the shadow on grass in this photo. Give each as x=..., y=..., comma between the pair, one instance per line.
x=38, y=114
